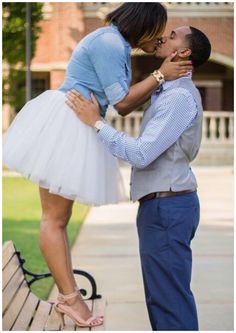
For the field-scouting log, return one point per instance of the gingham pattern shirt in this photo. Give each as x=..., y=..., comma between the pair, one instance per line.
x=170, y=118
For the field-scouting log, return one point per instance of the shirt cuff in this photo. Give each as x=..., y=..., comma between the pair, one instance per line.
x=106, y=133
x=115, y=93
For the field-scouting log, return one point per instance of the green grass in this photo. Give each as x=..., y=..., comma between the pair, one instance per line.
x=21, y=218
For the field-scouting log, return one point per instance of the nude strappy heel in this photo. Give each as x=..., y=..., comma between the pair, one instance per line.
x=64, y=309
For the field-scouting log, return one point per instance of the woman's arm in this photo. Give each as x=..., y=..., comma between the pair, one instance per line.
x=136, y=106
x=141, y=91
x=138, y=94
x=107, y=55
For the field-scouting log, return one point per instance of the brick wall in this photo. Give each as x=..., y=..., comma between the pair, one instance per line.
x=60, y=33
x=67, y=26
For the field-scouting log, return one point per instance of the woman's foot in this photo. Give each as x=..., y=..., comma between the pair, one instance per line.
x=79, y=305
x=74, y=306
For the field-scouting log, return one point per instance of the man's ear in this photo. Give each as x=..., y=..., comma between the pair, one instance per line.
x=184, y=53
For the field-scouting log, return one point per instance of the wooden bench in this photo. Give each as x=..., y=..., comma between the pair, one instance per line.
x=23, y=310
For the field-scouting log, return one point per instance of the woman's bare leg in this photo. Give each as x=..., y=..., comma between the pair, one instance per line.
x=53, y=241
x=69, y=261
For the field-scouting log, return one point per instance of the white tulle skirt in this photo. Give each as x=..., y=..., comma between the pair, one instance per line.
x=48, y=144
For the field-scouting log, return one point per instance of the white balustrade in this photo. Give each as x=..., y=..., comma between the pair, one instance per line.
x=218, y=126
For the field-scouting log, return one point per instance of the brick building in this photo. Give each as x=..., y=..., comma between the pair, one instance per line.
x=64, y=24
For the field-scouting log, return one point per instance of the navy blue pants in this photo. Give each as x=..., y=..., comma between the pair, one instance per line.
x=166, y=227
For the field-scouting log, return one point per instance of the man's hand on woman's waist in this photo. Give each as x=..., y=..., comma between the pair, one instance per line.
x=88, y=112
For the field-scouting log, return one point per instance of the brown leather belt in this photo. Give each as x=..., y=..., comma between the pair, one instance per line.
x=163, y=195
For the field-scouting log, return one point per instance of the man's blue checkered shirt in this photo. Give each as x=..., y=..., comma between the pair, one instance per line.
x=170, y=117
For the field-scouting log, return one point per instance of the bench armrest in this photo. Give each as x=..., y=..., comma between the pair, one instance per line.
x=35, y=277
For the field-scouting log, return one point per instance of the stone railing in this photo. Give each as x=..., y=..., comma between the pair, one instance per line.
x=175, y=9
x=218, y=126
x=200, y=9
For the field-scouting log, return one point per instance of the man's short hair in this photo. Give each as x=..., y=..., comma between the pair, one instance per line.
x=200, y=47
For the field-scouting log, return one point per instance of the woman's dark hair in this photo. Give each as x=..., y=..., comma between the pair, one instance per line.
x=139, y=22
x=200, y=47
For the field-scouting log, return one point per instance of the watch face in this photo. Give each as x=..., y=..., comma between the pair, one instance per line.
x=99, y=124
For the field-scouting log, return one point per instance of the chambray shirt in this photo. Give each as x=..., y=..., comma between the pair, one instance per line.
x=101, y=63
x=169, y=115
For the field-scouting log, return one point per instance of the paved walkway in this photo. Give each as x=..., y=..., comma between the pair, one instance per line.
x=107, y=247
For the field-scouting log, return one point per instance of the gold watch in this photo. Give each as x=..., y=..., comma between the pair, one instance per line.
x=158, y=76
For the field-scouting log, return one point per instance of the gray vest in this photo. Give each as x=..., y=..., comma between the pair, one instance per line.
x=171, y=170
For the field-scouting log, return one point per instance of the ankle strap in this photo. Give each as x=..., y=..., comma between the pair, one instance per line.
x=63, y=298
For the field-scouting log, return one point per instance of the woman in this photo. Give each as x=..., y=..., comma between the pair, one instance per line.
x=48, y=145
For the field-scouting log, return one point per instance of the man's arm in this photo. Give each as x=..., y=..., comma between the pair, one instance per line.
x=161, y=132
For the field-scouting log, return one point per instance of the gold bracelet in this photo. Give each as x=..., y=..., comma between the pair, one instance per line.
x=157, y=74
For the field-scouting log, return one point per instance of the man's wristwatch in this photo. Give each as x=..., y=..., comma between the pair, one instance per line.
x=99, y=125
x=158, y=76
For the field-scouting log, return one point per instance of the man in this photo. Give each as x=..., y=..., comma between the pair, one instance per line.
x=163, y=181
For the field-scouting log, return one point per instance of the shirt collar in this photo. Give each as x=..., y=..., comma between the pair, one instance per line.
x=168, y=84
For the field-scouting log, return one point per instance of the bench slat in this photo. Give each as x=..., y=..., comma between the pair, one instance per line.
x=22, y=310
x=26, y=313
x=8, y=251
x=12, y=288
x=9, y=270
x=99, y=306
x=15, y=307
x=41, y=316
x=52, y=323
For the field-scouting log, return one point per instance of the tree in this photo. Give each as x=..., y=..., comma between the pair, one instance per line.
x=14, y=52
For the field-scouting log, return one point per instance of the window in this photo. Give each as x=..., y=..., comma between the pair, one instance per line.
x=40, y=83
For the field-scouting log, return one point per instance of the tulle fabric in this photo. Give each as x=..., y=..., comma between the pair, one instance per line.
x=49, y=145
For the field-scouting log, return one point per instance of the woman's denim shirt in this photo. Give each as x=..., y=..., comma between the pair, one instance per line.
x=101, y=64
